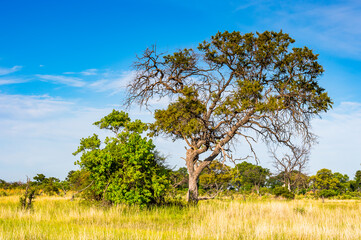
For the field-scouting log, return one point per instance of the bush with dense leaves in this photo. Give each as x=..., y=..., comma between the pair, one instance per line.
x=283, y=192
x=127, y=169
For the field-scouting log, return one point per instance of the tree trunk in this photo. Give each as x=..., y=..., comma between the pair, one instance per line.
x=195, y=169
x=192, y=195
x=257, y=188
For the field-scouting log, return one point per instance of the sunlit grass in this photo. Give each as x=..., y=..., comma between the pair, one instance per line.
x=60, y=218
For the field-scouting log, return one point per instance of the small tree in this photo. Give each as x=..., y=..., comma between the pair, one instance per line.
x=235, y=86
x=49, y=185
x=27, y=199
x=126, y=170
x=325, y=183
x=247, y=176
x=292, y=164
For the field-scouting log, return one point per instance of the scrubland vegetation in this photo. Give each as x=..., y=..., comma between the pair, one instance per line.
x=251, y=218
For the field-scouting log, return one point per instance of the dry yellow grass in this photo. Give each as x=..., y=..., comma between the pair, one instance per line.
x=59, y=218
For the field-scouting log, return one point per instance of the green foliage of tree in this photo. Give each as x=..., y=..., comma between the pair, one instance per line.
x=358, y=180
x=231, y=87
x=127, y=169
x=79, y=182
x=4, y=184
x=298, y=181
x=247, y=176
x=40, y=178
x=49, y=185
x=217, y=176
x=179, y=178
x=328, y=184
x=275, y=181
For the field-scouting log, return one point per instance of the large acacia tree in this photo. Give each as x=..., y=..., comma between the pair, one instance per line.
x=234, y=86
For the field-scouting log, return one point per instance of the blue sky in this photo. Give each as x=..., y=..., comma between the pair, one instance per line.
x=64, y=65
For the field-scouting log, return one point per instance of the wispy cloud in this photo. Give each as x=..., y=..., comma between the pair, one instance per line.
x=98, y=80
x=333, y=27
x=248, y=4
x=5, y=71
x=31, y=107
x=339, y=140
x=70, y=81
x=39, y=133
x=89, y=72
x=112, y=81
x=7, y=80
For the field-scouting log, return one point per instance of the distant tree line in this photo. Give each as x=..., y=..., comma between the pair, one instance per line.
x=247, y=178
x=218, y=179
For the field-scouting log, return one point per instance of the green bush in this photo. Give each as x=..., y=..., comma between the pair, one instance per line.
x=127, y=169
x=283, y=192
x=3, y=194
x=327, y=193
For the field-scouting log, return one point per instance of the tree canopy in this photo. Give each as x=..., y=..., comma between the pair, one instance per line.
x=329, y=184
x=248, y=176
x=234, y=86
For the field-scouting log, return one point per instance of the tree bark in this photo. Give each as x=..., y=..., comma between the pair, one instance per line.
x=289, y=185
x=194, y=172
x=257, y=188
x=192, y=195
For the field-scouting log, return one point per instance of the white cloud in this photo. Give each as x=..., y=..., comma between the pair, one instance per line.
x=112, y=81
x=6, y=80
x=107, y=80
x=31, y=107
x=39, y=134
x=5, y=71
x=339, y=139
x=70, y=81
x=158, y=103
x=332, y=27
x=89, y=72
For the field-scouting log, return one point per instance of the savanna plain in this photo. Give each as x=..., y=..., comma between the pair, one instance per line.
x=55, y=217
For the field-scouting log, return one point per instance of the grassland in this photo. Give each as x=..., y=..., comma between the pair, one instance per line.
x=60, y=218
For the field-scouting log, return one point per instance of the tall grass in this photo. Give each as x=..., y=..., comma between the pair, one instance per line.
x=60, y=218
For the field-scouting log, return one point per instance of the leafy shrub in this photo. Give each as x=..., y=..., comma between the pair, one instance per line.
x=283, y=192
x=327, y=193
x=3, y=194
x=300, y=210
x=127, y=169
x=26, y=200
